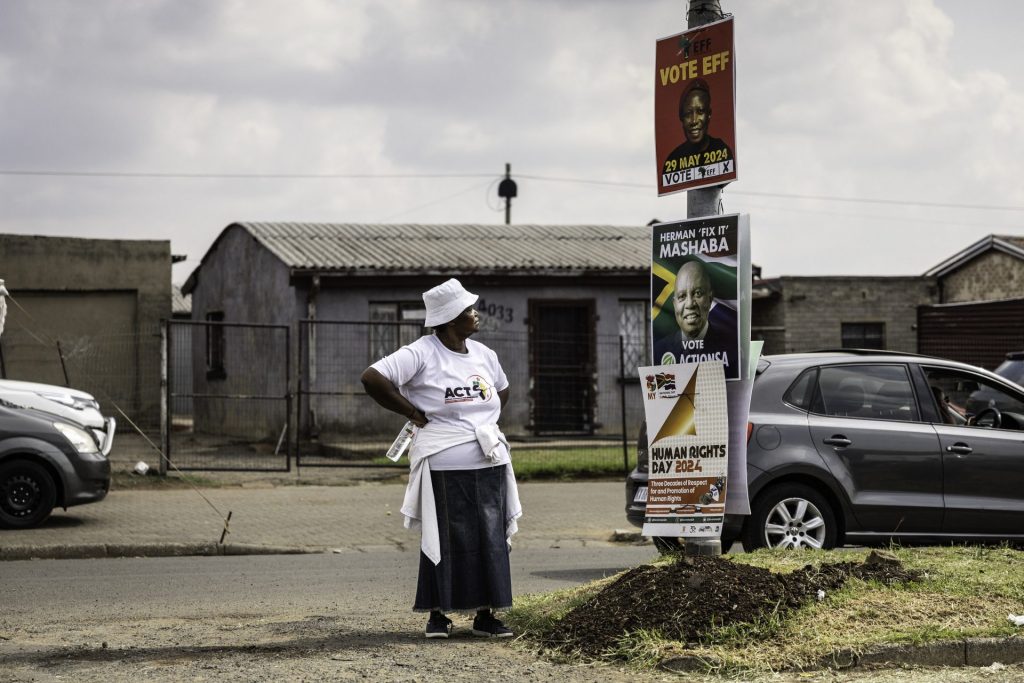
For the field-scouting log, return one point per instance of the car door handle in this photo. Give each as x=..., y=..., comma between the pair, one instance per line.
x=838, y=440
x=959, y=449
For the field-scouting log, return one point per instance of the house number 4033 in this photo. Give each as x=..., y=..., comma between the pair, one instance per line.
x=496, y=311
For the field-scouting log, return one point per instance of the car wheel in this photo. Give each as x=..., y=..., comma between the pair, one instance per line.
x=791, y=516
x=27, y=494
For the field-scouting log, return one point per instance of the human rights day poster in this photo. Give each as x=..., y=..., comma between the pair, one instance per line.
x=688, y=435
x=700, y=291
x=694, y=108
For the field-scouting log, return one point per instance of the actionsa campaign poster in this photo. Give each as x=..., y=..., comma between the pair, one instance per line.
x=700, y=291
x=688, y=449
x=694, y=108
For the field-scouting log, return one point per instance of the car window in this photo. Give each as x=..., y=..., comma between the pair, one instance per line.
x=881, y=392
x=963, y=395
x=799, y=393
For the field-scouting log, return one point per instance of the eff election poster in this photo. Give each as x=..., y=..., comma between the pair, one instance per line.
x=694, y=108
x=688, y=443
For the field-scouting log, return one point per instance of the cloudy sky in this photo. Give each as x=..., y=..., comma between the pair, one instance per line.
x=874, y=137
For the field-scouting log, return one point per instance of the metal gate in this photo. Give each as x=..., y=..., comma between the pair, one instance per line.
x=339, y=425
x=235, y=398
x=562, y=364
x=228, y=397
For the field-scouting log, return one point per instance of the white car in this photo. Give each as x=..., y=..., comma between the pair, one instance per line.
x=71, y=404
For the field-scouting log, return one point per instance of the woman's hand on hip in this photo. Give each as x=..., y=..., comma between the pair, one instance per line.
x=418, y=418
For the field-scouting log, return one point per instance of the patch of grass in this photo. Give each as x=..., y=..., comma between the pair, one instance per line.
x=600, y=461
x=533, y=614
x=965, y=592
x=642, y=649
x=573, y=462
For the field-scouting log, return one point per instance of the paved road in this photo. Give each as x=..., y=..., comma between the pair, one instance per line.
x=356, y=517
x=340, y=616
x=125, y=588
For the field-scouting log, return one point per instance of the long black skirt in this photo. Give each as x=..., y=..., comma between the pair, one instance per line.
x=474, y=569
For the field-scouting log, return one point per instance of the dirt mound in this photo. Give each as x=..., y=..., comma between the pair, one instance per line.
x=687, y=598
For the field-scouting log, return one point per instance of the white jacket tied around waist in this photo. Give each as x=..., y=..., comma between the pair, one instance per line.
x=419, y=507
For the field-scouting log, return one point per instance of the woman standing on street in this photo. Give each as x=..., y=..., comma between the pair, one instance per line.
x=461, y=491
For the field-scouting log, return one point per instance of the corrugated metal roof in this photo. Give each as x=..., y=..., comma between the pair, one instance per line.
x=466, y=248
x=1008, y=244
x=180, y=303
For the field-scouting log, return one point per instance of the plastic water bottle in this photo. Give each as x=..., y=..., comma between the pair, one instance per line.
x=401, y=442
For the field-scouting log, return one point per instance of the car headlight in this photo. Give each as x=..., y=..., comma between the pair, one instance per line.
x=70, y=401
x=79, y=438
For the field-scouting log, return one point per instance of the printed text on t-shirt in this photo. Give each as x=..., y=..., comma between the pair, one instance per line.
x=479, y=388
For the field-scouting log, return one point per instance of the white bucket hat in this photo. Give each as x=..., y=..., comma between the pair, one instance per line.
x=446, y=301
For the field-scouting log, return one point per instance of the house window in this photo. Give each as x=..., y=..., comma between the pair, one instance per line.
x=863, y=335
x=397, y=323
x=215, y=346
x=635, y=330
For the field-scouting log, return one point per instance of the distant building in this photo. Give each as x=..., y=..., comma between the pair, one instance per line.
x=101, y=302
x=991, y=269
x=978, y=316
x=970, y=308
x=796, y=314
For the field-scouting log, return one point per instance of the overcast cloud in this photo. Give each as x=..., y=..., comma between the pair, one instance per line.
x=905, y=100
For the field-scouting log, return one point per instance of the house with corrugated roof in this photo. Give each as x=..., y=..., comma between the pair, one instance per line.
x=565, y=306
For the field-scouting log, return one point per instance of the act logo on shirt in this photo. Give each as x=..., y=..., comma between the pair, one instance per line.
x=478, y=389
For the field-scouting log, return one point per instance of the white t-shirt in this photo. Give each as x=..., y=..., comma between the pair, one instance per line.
x=452, y=389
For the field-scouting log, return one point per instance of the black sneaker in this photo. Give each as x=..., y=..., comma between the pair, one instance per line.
x=489, y=626
x=439, y=626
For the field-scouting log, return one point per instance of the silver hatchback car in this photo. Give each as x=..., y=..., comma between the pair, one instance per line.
x=870, y=446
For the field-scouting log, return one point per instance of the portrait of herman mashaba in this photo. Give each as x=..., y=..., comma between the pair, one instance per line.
x=706, y=328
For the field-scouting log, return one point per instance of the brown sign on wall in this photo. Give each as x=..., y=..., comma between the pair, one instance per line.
x=694, y=108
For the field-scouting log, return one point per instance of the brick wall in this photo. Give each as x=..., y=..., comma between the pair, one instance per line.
x=816, y=307
x=988, y=277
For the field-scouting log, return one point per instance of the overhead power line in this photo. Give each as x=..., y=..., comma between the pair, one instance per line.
x=246, y=176
x=789, y=195
x=579, y=181
x=893, y=202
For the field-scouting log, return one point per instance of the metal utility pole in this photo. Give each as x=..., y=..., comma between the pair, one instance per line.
x=705, y=201
x=700, y=203
x=507, y=190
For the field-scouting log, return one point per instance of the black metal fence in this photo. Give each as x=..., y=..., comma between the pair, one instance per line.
x=228, y=396
x=233, y=396
x=574, y=405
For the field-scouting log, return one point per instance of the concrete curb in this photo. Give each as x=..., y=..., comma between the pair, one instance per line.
x=975, y=652
x=86, y=551
x=100, y=550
